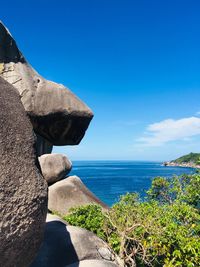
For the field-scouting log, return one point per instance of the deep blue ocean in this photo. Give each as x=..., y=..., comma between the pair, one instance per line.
x=110, y=179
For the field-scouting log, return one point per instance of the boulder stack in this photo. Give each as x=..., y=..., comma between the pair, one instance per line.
x=56, y=113
x=36, y=114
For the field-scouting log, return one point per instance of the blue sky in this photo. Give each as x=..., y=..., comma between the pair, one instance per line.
x=135, y=63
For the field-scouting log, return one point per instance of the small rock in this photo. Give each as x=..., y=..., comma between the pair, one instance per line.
x=54, y=167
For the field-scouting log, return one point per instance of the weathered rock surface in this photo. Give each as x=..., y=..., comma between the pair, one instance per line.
x=68, y=193
x=23, y=191
x=55, y=112
x=54, y=167
x=64, y=245
x=92, y=263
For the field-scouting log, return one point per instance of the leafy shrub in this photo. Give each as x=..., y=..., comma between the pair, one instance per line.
x=164, y=230
x=185, y=188
x=89, y=217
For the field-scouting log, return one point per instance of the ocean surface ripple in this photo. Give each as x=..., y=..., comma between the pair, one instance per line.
x=108, y=180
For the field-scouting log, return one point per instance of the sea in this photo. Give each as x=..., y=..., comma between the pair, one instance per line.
x=108, y=180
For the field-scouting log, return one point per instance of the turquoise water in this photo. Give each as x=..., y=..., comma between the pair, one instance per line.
x=110, y=179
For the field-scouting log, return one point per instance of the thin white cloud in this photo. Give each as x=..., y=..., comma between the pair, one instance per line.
x=160, y=133
x=197, y=113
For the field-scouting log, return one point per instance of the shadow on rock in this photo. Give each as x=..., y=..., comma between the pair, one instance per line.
x=66, y=245
x=57, y=249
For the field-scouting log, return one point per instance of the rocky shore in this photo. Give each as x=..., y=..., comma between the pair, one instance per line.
x=183, y=165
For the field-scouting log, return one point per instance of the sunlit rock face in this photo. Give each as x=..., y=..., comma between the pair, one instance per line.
x=70, y=193
x=23, y=190
x=55, y=112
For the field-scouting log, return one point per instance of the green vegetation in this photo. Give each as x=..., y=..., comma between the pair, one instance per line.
x=163, y=230
x=189, y=158
x=89, y=217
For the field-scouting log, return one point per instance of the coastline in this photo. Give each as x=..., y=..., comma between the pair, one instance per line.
x=182, y=165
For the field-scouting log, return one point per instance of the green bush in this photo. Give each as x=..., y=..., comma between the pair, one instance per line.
x=89, y=217
x=185, y=188
x=163, y=230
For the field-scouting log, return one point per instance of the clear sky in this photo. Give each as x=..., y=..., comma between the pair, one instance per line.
x=135, y=63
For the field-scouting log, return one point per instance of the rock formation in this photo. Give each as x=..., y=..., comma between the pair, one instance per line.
x=54, y=167
x=57, y=117
x=56, y=113
x=92, y=263
x=23, y=191
x=65, y=245
x=68, y=193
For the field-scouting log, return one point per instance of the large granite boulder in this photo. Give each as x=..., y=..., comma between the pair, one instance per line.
x=23, y=191
x=68, y=193
x=54, y=167
x=55, y=112
x=64, y=245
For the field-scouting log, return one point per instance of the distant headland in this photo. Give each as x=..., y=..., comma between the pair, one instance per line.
x=191, y=160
